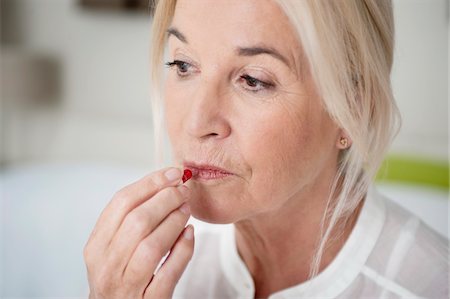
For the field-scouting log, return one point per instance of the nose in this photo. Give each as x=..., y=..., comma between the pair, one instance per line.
x=206, y=118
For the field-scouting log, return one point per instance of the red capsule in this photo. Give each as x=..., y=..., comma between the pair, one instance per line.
x=187, y=174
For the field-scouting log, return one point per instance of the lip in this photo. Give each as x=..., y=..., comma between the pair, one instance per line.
x=206, y=172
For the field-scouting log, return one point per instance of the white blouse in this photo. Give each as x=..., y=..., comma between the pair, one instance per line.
x=389, y=254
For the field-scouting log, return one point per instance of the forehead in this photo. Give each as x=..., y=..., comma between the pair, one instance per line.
x=235, y=23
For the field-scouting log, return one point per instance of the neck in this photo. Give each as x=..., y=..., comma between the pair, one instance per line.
x=278, y=246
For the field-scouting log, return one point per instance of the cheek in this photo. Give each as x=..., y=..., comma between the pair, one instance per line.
x=287, y=151
x=279, y=151
x=178, y=97
x=173, y=98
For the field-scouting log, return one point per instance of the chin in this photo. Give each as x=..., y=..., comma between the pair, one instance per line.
x=211, y=213
x=217, y=209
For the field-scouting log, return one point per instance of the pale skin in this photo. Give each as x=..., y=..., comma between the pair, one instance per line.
x=239, y=95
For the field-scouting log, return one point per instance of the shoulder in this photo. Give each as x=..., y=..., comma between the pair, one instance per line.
x=406, y=228
x=409, y=254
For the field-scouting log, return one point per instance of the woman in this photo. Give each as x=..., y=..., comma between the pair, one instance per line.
x=283, y=111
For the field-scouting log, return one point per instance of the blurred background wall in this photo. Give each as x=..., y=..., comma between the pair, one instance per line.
x=76, y=126
x=420, y=76
x=99, y=108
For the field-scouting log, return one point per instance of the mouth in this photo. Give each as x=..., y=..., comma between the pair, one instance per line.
x=205, y=172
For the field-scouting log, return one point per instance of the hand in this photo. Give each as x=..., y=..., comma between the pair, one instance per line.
x=143, y=221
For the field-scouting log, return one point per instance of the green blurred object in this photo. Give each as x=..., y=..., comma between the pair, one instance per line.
x=414, y=170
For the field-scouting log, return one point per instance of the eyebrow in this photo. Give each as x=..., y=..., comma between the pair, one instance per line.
x=241, y=51
x=175, y=32
x=253, y=51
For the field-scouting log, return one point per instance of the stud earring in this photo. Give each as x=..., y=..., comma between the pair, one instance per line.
x=344, y=142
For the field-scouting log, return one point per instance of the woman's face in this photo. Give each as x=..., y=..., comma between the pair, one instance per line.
x=239, y=96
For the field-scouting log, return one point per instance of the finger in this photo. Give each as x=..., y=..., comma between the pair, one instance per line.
x=140, y=222
x=154, y=247
x=169, y=274
x=126, y=200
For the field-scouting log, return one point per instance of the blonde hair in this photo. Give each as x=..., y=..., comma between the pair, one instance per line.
x=349, y=48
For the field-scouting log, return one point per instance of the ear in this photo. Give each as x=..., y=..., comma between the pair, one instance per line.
x=344, y=141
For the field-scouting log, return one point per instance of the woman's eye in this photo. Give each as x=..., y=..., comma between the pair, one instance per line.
x=253, y=84
x=183, y=68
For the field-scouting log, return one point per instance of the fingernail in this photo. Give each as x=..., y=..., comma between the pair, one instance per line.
x=173, y=174
x=189, y=232
x=184, y=191
x=185, y=208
